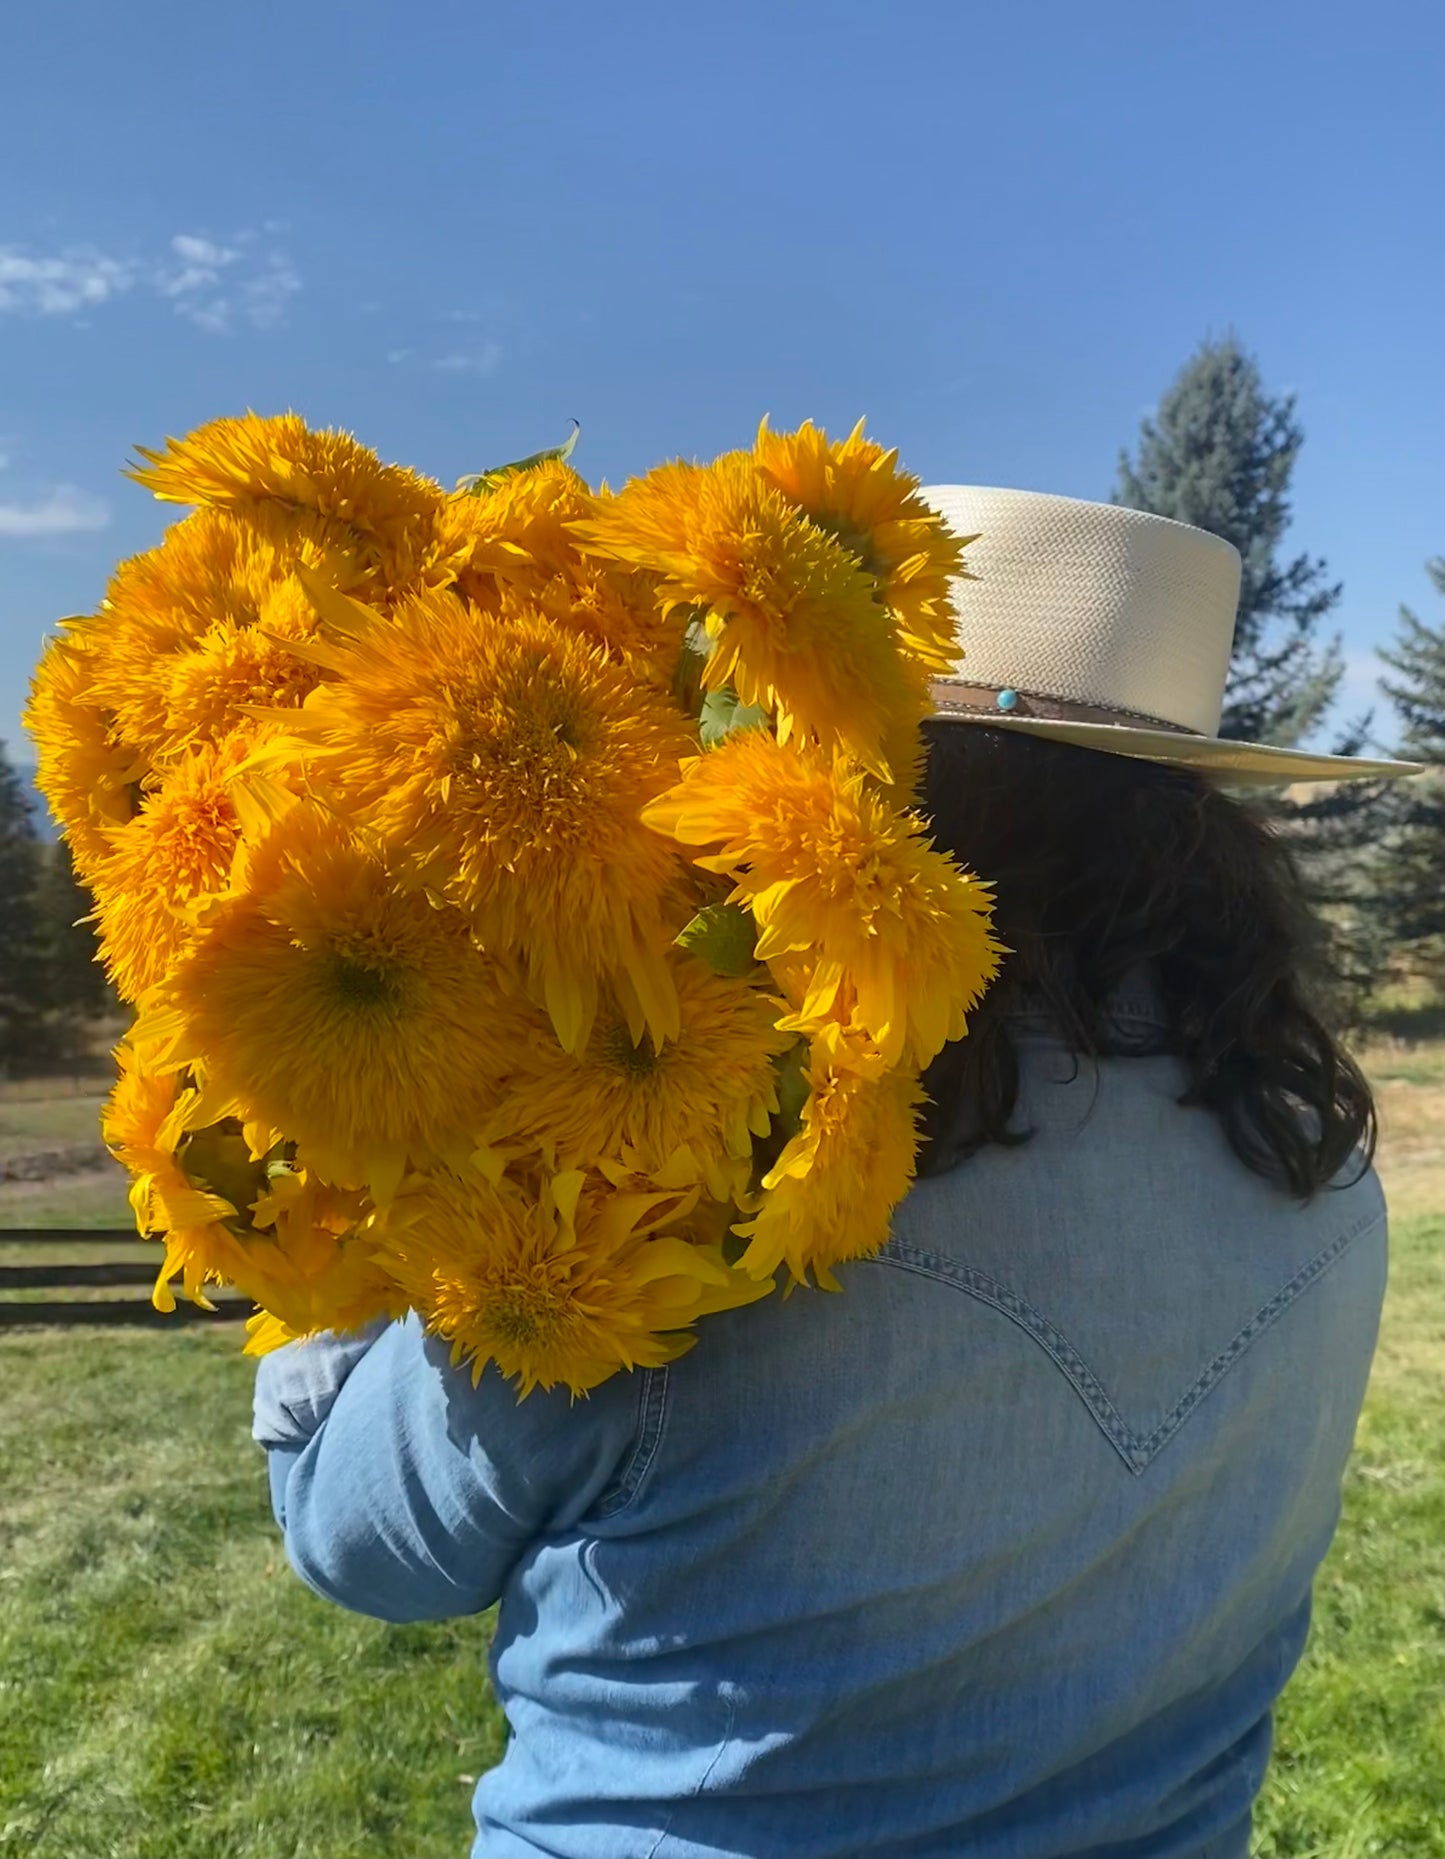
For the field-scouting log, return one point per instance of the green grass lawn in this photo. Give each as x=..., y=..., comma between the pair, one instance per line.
x=1359, y=1766
x=169, y=1690
x=47, y=1122
x=93, y=1199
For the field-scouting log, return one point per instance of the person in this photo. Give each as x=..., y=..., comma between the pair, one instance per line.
x=1008, y=1549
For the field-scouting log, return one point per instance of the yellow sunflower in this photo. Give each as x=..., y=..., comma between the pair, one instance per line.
x=375, y=523
x=855, y=491
x=521, y=530
x=210, y=582
x=219, y=1159
x=832, y=1191
x=614, y=607
x=87, y=772
x=831, y=871
x=213, y=688
x=209, y=566
x=180, y=847
x=146, y=1121
x=209, y=1199
x=794, y=618
x=688, y=1109
x=328, y=1001
x=565, y=1283
x=518, y=547
x=317, y=1268
x=652, y=521
x=507, y=762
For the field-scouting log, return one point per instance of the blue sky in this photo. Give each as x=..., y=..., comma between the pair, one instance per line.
x=996, y=231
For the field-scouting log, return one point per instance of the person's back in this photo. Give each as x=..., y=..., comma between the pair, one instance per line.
x=1006, y=1550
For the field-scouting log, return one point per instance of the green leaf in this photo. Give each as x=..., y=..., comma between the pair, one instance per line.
x=481, y=481
x=218, y=1158
x=723, y=936
x=723, y=712
x=792, y=1070
x=691, y=658
x=733, y=1247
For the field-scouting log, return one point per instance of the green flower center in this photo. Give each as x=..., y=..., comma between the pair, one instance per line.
x=856, y=541
x=524, y=1320
x=368, y=986
x=618, y=1051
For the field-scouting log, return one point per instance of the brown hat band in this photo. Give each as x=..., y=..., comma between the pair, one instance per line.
x=1002, y=701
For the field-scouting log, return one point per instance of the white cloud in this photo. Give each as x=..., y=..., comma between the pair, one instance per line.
x=211, y=283
x=397, y=356
x=61, y=285
x=204, y=253
x=484, y=360
x=201, y=265
x=213, y=315
x=63, y=511
x=215, y=286
x=264, y=298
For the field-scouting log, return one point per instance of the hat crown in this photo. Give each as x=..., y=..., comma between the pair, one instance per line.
x=1093, y=604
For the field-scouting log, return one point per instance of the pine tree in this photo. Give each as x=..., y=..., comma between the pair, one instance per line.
x=1219, y=454
x=1412, y=863
x=75, y=983
x=22, y=977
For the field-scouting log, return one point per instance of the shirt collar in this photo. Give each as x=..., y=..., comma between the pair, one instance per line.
x=1136, y=1010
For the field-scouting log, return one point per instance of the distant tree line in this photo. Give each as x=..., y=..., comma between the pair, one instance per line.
x=1411, y=866
x=52, y=989
x=1219, y=452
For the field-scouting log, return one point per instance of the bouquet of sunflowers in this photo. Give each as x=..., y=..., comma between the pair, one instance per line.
x=518, y=888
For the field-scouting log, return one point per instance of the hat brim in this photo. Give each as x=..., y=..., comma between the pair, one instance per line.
x=1233, y=764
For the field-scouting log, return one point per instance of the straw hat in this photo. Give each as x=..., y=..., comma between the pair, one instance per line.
x=1107, y=628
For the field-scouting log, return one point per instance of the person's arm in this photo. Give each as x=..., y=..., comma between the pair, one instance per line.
x=296, y=1388
x=418, y=1493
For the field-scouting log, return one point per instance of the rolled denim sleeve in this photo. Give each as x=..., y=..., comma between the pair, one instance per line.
x=418, y=1493
x=297, y=1384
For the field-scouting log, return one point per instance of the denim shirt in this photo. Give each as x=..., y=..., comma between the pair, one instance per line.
x=1006, y=1550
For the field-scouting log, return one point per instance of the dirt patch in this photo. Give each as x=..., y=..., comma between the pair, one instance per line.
x=43, y=1165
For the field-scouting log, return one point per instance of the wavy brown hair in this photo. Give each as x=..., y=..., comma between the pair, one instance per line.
x=1104, y=866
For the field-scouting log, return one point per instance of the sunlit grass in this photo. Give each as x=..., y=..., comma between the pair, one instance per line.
x=92, y=1199
x=170, y=1688
x=1359, y=1766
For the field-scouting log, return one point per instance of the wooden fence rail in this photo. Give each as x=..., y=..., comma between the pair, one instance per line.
x=95, y=1274
x=123, y=1236
x=57, y=1277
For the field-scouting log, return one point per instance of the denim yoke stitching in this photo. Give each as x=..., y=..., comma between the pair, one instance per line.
x=1134, y=1449
x=652, y=1413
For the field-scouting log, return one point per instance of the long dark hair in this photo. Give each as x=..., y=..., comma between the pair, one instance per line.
x=1106, y=866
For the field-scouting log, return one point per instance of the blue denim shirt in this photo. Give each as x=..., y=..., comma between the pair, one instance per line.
x=1005, y=1551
